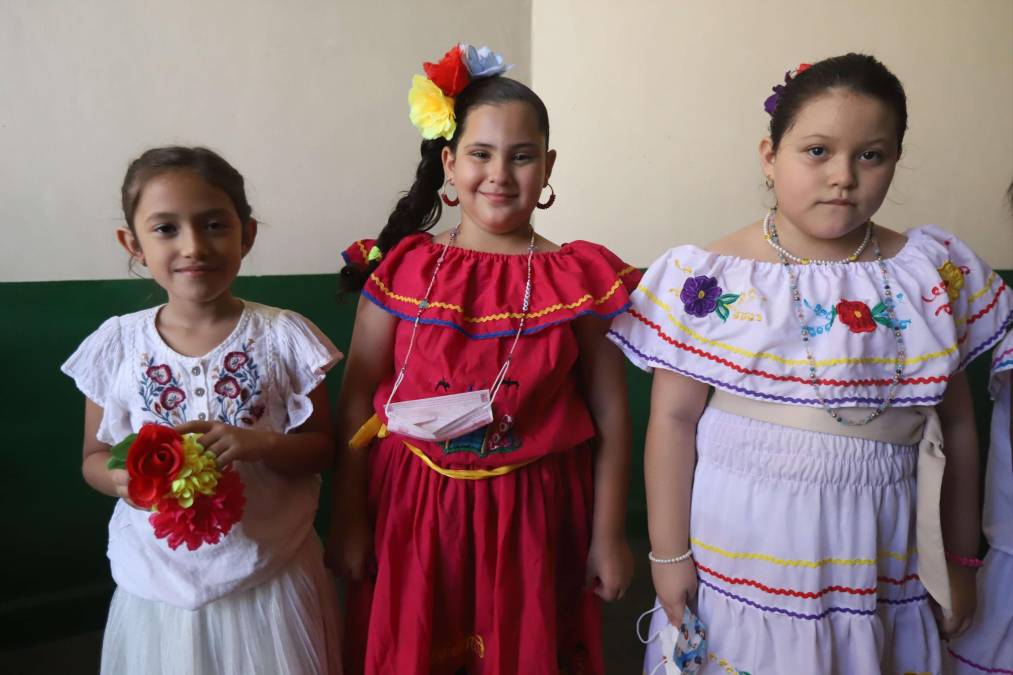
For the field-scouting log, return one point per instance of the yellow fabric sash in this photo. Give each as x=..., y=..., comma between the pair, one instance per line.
x=898, y=426
x=374, y=428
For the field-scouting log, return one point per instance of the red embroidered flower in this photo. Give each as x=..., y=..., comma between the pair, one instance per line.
x=160, y=374
x=208, y=519
x=172, y=397
x=856, y=315
x=227, y=386
x=153, y=460
x=235, y=360
x=450, y=74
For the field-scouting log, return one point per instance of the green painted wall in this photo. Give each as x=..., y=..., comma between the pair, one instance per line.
x=54, y=573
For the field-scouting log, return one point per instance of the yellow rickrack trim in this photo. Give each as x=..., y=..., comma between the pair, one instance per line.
x=362, y=249
x=779, y=359
x=466, y=474
x=507, y=315
x=800, y=563
x=729, y=668
x=960, y=321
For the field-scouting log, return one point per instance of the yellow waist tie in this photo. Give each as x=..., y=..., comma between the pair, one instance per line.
x=374, y=428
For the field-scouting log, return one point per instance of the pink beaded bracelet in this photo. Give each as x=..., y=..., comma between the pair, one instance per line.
x=964, y=561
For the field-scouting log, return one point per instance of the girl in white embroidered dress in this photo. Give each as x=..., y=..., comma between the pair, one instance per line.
x=803, y=533
x=249, y=379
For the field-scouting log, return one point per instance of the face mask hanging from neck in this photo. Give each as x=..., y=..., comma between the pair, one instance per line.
x=443, y=418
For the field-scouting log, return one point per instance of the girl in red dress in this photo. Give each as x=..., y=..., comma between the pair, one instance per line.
x=479, y=531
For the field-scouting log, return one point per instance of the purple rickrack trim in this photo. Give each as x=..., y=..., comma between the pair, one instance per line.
x=978, y=666
x=498, y=334
x=987, y=343
x=914, y=400
x=812, y=617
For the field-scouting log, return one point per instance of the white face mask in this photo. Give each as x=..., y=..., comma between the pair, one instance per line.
x=683, y=649
x=440, y=418
x=444, y=418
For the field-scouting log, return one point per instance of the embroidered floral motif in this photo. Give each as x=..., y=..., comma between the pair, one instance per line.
x=237, y=385
x=490, y=439
x=856, y=315
x=953, y=279
x=160, y=392
x=234, y=361
x=701, y=296
x=878, y=314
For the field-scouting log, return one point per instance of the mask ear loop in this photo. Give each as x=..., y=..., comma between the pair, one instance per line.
x=666, y=664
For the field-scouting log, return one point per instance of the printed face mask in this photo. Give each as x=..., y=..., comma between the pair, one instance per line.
x=440, y=418
x=683, y=649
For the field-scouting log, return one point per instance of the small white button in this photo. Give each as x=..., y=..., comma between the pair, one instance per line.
x=195, y=370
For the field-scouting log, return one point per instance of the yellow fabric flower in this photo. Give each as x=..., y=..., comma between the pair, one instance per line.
x=198, y=475
x=954, y=278
x=430, y=111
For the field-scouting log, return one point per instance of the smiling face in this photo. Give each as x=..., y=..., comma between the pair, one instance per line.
x=833, y=167
x=187, y=233
x=499, y=167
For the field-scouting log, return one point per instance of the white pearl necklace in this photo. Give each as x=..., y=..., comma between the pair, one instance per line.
x=901, y=359
x=771, y=238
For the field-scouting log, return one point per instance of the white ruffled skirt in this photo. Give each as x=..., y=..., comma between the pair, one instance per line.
x=805, y=550
x=288, y=625
x=987, y=646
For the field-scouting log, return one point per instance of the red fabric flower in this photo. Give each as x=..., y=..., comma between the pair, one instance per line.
x=450, y=74
x=802, y=67
x=208, y=519
x=153, y=460
x=856, y=315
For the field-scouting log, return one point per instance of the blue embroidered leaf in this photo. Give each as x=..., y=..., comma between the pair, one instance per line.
x=722, y=312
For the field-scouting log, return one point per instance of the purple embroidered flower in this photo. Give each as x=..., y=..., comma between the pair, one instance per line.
x=160, y=374
x=172, y=397
x=227, y=386
x=700, y=295
x=235, y=360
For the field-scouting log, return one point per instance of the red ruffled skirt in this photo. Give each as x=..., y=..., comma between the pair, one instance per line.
x=476, y=576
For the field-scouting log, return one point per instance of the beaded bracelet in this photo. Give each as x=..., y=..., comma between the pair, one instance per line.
x=964, y=561
x=668, y=561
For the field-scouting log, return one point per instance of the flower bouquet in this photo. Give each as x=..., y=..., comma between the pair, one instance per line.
x=191, y=499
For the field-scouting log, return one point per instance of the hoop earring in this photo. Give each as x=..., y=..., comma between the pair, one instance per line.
x=551, y=200
x=447, y=200
x=769, y=183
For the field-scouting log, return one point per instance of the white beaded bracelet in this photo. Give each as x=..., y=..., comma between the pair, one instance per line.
x=668, y=561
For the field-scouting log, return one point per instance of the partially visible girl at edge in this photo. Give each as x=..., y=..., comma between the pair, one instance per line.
x=489, y=544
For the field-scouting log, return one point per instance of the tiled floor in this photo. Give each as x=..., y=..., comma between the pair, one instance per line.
x=79, y=655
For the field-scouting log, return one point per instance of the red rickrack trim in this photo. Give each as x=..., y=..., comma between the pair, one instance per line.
x=985, y=310
x=808, y=595
x=935, y=379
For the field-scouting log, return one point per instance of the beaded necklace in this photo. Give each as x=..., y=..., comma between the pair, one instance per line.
x=769, y=227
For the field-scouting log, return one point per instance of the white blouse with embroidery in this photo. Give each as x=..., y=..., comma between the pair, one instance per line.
x=731, y=322
x=259, y=377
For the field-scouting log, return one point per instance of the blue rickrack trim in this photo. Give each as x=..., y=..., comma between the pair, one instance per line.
x=987, y=343
x=866, y=400
x=813, y=617
x=497, y=334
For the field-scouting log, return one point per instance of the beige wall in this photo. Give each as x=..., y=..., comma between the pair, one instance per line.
x=307, y=98
x=656, y=111
x=655, y=107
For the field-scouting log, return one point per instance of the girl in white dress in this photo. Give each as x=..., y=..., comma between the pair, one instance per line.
x=784, y=507
x=250, y=379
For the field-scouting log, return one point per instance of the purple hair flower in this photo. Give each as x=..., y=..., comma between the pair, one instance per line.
x=770, y=105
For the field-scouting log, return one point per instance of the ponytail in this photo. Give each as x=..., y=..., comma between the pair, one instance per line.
x=417, y=211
